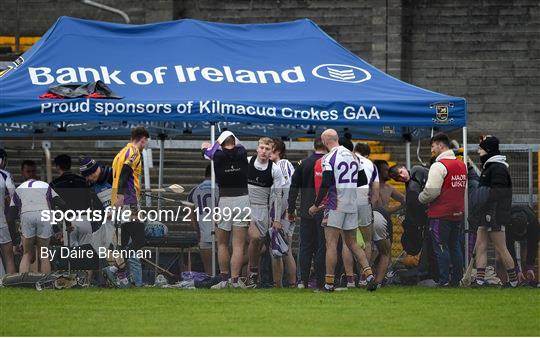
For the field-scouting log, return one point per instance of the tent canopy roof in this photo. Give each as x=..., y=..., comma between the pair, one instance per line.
x=189, y=71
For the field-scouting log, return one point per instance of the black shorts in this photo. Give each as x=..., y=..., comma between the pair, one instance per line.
x=133, y=231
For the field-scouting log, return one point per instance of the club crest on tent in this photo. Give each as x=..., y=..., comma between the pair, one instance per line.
x=442, y=114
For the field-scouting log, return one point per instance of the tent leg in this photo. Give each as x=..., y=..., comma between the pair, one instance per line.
x=408, y=155
x=530, y=177
x=161, y=160
x=46, y=146
x=466, y=199
x=213, y=203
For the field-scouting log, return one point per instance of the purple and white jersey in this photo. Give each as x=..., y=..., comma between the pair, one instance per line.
x=201, y=196
x=33, y=195
x=372, y=176
x=287, y=170
x=6, y=186
x=344, y=167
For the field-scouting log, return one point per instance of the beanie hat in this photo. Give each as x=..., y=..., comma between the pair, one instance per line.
x=490, y=144
x=87, y=166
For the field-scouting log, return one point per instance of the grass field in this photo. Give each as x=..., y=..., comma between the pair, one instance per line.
x=168, y=312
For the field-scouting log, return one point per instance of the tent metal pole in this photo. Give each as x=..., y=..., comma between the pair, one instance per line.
x=530, y=177
x=213, y=203
x=161, y=161
x=408, y=155
x=46, y=146
x=466, y=200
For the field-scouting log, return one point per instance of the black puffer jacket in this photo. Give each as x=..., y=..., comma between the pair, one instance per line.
x=496, y=176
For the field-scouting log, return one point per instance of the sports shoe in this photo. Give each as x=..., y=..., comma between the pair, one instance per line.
x=371, y=283
x=362, y=283
x=301, y=286
x=252, y=280
x=240, y=284
x=325, y=289
x=509, y=285
x=224, y=284
x=351, y=285
x=312, y=284
x=476, y=284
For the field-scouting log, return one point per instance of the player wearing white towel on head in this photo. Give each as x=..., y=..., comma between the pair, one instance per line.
x=340, y=179
x=287, y=171
x=231, y=171
x=7, y=189
x=29, y=200
x=264, y=179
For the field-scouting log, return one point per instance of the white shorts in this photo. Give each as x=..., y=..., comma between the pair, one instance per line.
x=341, y=220
x=239, y=208
x=365, y=215
x=81, y=234
x=5, y=237
x=32, y=225
x=288, y=227
x=205, y=229
x=380, y=227
x=205, y=245
x=260, y=217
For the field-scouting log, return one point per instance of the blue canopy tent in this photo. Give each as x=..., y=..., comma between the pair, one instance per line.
x=285, y=74
x=289, y=75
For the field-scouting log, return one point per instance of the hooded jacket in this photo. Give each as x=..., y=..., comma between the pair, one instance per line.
x=496, y=177
x=450, y=180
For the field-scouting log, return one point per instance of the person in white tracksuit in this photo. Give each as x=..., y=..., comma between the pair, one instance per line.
x=30, y=199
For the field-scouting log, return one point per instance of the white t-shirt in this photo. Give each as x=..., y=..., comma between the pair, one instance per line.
x=287, y=171
x=372, y=176
x=33, y=195
x=6, y=186
x=345, y=167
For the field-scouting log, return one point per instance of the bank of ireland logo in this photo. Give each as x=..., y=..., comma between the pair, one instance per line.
x=341, y=73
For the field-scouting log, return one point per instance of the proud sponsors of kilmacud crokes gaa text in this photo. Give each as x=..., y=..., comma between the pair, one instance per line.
x=210, y=107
